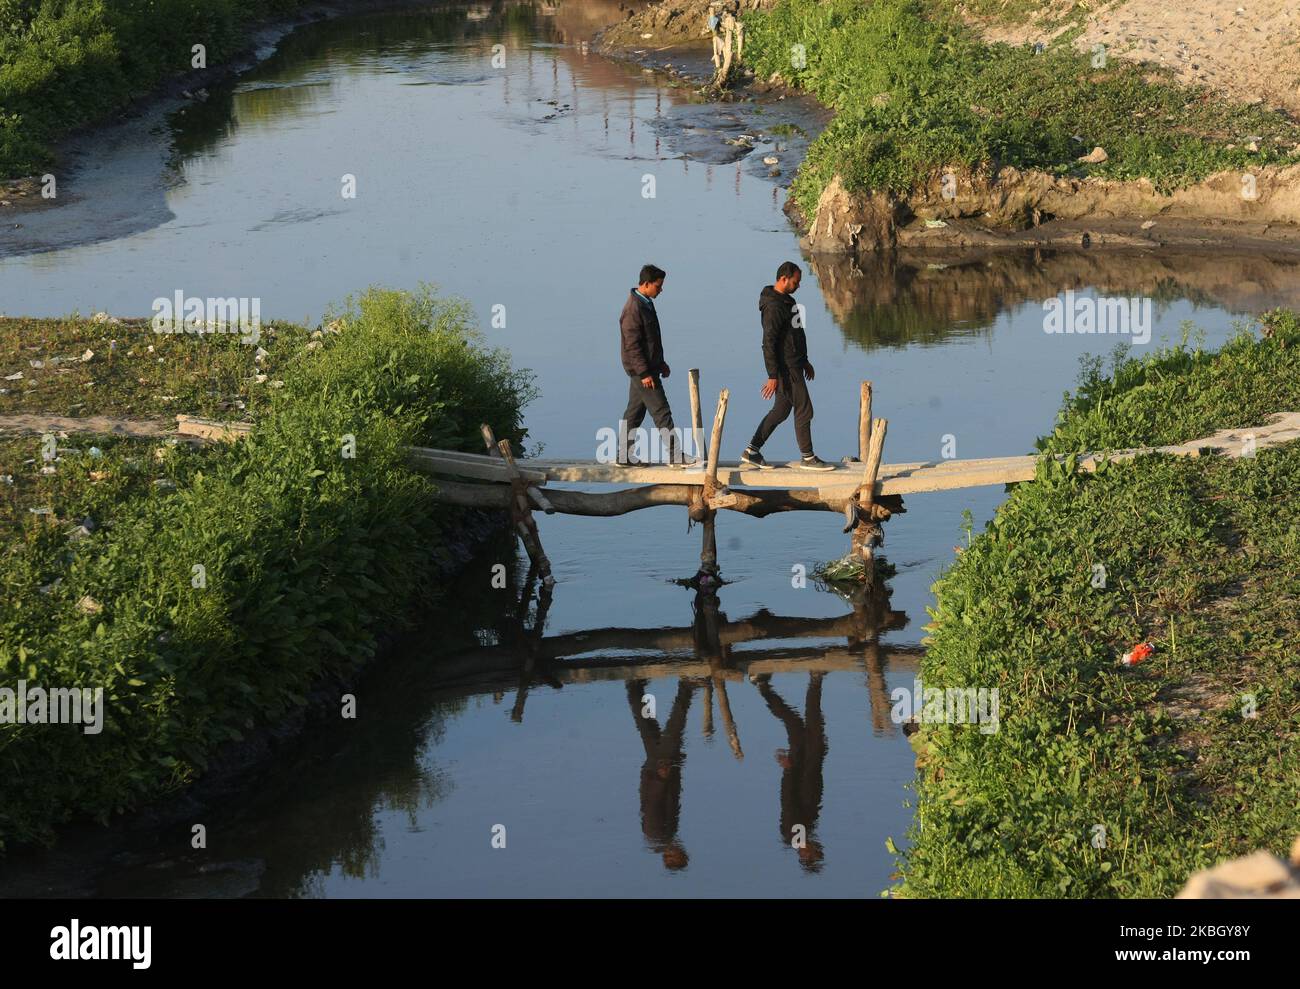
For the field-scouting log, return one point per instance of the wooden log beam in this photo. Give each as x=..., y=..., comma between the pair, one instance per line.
x=757, y=502
x=540, y=500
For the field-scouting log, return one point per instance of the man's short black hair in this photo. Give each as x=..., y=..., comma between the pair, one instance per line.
x=787, y=270
x=651, y=274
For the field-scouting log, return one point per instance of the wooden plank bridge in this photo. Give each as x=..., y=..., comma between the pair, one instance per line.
x=864, y=490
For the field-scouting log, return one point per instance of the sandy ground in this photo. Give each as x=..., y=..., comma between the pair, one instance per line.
x=1246, y=49
x=670, y=23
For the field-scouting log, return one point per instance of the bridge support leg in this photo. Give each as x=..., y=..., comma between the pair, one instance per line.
x=521, y=506
x=868, y=533
x=703, y=512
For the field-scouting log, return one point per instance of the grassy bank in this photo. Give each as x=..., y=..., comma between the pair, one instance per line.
x=64, y=63
x=307, y=552
x=1112, y=781
x=915, y=91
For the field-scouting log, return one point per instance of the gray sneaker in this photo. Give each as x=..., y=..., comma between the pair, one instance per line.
x=752, y=458
x=814, y=462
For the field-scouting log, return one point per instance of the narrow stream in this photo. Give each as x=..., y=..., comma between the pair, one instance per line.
x=522, y=186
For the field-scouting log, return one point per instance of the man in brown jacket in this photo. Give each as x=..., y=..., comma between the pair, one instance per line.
x=642, y=351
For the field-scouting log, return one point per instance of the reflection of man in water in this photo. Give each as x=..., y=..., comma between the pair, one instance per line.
x=661, y=773
x=801, y=764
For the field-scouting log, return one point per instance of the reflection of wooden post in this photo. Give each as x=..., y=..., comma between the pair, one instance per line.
x=724, y=707
x=708, y=709
x=877, y=691
x=530, y=641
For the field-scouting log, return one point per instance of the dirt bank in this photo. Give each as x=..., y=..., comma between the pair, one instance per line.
x=1015, y=208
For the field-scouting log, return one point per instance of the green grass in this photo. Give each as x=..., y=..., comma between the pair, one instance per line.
x=64, y=63
x=308, y=554
x=134, y=372
x=916, y=91
x=1200, y=556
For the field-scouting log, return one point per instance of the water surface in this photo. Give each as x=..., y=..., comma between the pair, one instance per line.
x=522, y=186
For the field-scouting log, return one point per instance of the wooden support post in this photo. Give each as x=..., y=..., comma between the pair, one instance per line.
x=864, y=420
x=697, y=420
x=867, y=533
x=715, y=441
x=709, y=548
x=523, y=513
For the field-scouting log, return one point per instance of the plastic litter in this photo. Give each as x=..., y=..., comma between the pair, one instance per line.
x=1137, y=654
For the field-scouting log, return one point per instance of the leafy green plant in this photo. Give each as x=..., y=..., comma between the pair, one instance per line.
x=307, y=554
x=1104, y=780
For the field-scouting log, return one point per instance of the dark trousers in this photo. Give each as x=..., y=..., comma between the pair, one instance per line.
x=791, y=396
x=641, y=399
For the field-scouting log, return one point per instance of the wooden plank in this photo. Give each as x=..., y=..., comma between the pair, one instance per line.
x=212, y=429
x=911, y=478
x=455, y=464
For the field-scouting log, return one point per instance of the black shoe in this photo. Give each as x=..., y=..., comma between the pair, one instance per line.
x=753, y=458
x=814, y=462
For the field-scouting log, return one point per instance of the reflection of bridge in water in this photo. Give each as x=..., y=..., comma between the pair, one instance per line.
x=711, y=656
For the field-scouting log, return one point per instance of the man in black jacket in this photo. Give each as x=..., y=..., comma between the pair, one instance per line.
x=643, y=360
x=785, y=352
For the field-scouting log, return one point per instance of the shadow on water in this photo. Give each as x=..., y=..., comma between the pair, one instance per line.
x=314, y=814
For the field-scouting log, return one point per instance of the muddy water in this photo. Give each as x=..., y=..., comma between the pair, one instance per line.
x=623, y=736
